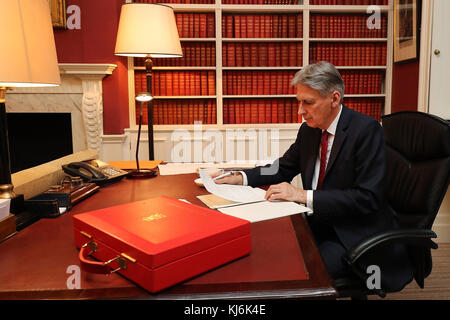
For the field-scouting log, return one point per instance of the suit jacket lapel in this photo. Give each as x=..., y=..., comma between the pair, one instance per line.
x=340, y=137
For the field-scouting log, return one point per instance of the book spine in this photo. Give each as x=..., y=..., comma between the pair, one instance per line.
x=268, y=111
x=204, y=89
x=198, y=83
x=250, y=26
x=176, y=83
x=243, y=24
x=210, y=26
x=287, y=111
x=281, y=111
x=274, y=111
x=247, y=111
x=190, y=112
x=231, y=55
x=254, y=111
x=211, y=83
x=257, y=27
x=241, y=110
x=261, y=111
x=203, y=25
x=226, y=104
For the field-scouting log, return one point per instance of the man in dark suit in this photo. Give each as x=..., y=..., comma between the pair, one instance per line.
x=341, y=157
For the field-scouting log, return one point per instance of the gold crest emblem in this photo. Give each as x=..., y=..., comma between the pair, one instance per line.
x=154, y=217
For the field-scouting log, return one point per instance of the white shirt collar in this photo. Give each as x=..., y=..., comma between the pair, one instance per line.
x=332, y=128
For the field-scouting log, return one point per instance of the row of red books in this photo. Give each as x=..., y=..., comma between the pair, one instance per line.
x=349, y=54
x=370, y=107
x=167, y=112
x=242, y=111
x=346, y=26
x=195, y=25
x=178, y=83
x=194, y=54
x=257, y=82
x=362, y=82
x=262, y=26
x=278, y=54
x=349, y=2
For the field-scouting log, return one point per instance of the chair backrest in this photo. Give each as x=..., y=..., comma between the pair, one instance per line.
x=418, y=166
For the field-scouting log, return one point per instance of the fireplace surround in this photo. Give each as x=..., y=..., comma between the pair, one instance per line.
x=80, y=94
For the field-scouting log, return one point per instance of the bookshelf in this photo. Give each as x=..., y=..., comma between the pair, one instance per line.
x=239, y=60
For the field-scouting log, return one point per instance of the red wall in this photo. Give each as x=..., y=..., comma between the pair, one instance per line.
x=95, y=43
x=405, y=78
x=405, y=87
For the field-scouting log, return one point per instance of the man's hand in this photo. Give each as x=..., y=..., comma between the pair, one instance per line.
x=235, y=178
x=285, y=191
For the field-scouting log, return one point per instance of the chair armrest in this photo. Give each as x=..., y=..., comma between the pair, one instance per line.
x=416, y=237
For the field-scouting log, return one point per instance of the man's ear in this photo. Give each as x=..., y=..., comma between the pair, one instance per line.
x=336, y=99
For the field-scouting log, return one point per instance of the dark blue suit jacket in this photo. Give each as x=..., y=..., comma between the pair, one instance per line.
x=352, y=197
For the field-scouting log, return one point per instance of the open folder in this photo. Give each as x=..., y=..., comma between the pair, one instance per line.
x=126, y=165
x=246, y=202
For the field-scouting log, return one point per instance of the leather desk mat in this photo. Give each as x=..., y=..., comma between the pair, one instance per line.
x=275, y=256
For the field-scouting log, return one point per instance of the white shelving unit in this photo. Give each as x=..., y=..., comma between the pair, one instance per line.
x=306, y=10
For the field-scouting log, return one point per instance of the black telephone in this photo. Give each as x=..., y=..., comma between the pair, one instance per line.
x=95, y=171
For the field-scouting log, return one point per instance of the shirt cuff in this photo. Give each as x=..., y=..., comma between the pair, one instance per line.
x=244, y=178
x=309, y=200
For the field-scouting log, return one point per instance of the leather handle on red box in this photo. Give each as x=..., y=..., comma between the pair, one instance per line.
x=92, y=266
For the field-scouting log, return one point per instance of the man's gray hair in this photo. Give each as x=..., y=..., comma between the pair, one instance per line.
x=322, y=77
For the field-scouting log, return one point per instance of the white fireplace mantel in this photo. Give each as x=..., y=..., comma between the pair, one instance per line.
x=80, y=93
x=86, y=69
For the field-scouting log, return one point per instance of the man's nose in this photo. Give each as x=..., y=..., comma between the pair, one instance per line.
x=301, y=111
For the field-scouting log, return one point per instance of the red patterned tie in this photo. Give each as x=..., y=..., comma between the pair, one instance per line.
x=323, y=158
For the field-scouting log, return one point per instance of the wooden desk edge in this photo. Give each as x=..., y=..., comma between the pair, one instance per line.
x=140, y=294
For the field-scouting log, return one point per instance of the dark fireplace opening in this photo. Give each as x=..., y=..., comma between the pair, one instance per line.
x=37, y=138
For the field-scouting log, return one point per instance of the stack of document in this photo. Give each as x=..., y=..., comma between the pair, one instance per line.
x=245, y=202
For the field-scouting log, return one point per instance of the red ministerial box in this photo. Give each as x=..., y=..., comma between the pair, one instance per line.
x=159, y=242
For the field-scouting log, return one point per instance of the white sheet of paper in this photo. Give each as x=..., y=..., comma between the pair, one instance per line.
x=178, y=168
x=185, y=168
x=265, y=210
x=235, y=193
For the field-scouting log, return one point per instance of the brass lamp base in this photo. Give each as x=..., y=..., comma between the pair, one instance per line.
x=141, y=174
x=6, y=191
x=2, y=94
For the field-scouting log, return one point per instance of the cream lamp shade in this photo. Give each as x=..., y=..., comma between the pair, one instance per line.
x=148, y=30
x=27, y=45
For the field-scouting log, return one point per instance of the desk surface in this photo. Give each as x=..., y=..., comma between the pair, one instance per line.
x=36, y=262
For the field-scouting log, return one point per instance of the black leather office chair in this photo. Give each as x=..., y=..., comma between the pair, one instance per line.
x=418, y=175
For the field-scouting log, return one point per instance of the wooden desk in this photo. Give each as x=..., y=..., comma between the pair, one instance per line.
x=34, y=263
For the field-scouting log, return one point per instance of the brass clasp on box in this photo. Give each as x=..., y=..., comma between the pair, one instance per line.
x=120, y=261
x=92, y=245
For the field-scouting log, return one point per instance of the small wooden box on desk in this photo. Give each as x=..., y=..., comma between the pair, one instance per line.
x=7, y=227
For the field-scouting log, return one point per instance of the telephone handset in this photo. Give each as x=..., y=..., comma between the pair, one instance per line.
x=94, y=171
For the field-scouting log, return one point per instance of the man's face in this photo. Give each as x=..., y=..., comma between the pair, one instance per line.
x=317, y=111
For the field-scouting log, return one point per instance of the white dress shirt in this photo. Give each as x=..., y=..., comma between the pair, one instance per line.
x=331, y=134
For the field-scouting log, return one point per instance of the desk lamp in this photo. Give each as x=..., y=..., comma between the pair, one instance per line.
x=27, y=59
x=148, y=31
x=142, y=97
